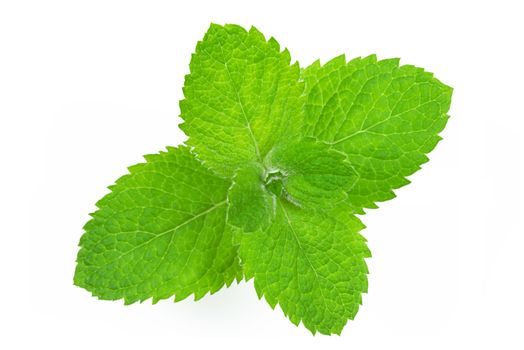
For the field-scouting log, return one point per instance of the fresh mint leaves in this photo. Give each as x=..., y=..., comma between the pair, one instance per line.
x=278, y=163
x=160, y=232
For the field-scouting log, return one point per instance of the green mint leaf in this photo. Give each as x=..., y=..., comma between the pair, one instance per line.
x=241, y=97
x=251, y=205
x=306, y=173
x=311, y=263
x=384, y=117
x=311, y=173
x=278, y=162
x=160, y=232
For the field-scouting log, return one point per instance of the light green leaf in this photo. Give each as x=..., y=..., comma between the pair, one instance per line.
x=241, y=97
x=385, y=118
x=251, y=206
x=306, y=173
x=160, y=232
x=278, y=162
x=311, y=263
x=311, y=173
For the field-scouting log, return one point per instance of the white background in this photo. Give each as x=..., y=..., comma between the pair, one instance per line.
x=86, y=88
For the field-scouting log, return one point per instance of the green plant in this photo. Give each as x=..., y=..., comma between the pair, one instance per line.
x=278, y=163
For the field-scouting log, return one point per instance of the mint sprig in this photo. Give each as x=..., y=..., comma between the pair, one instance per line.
x=278, y=163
